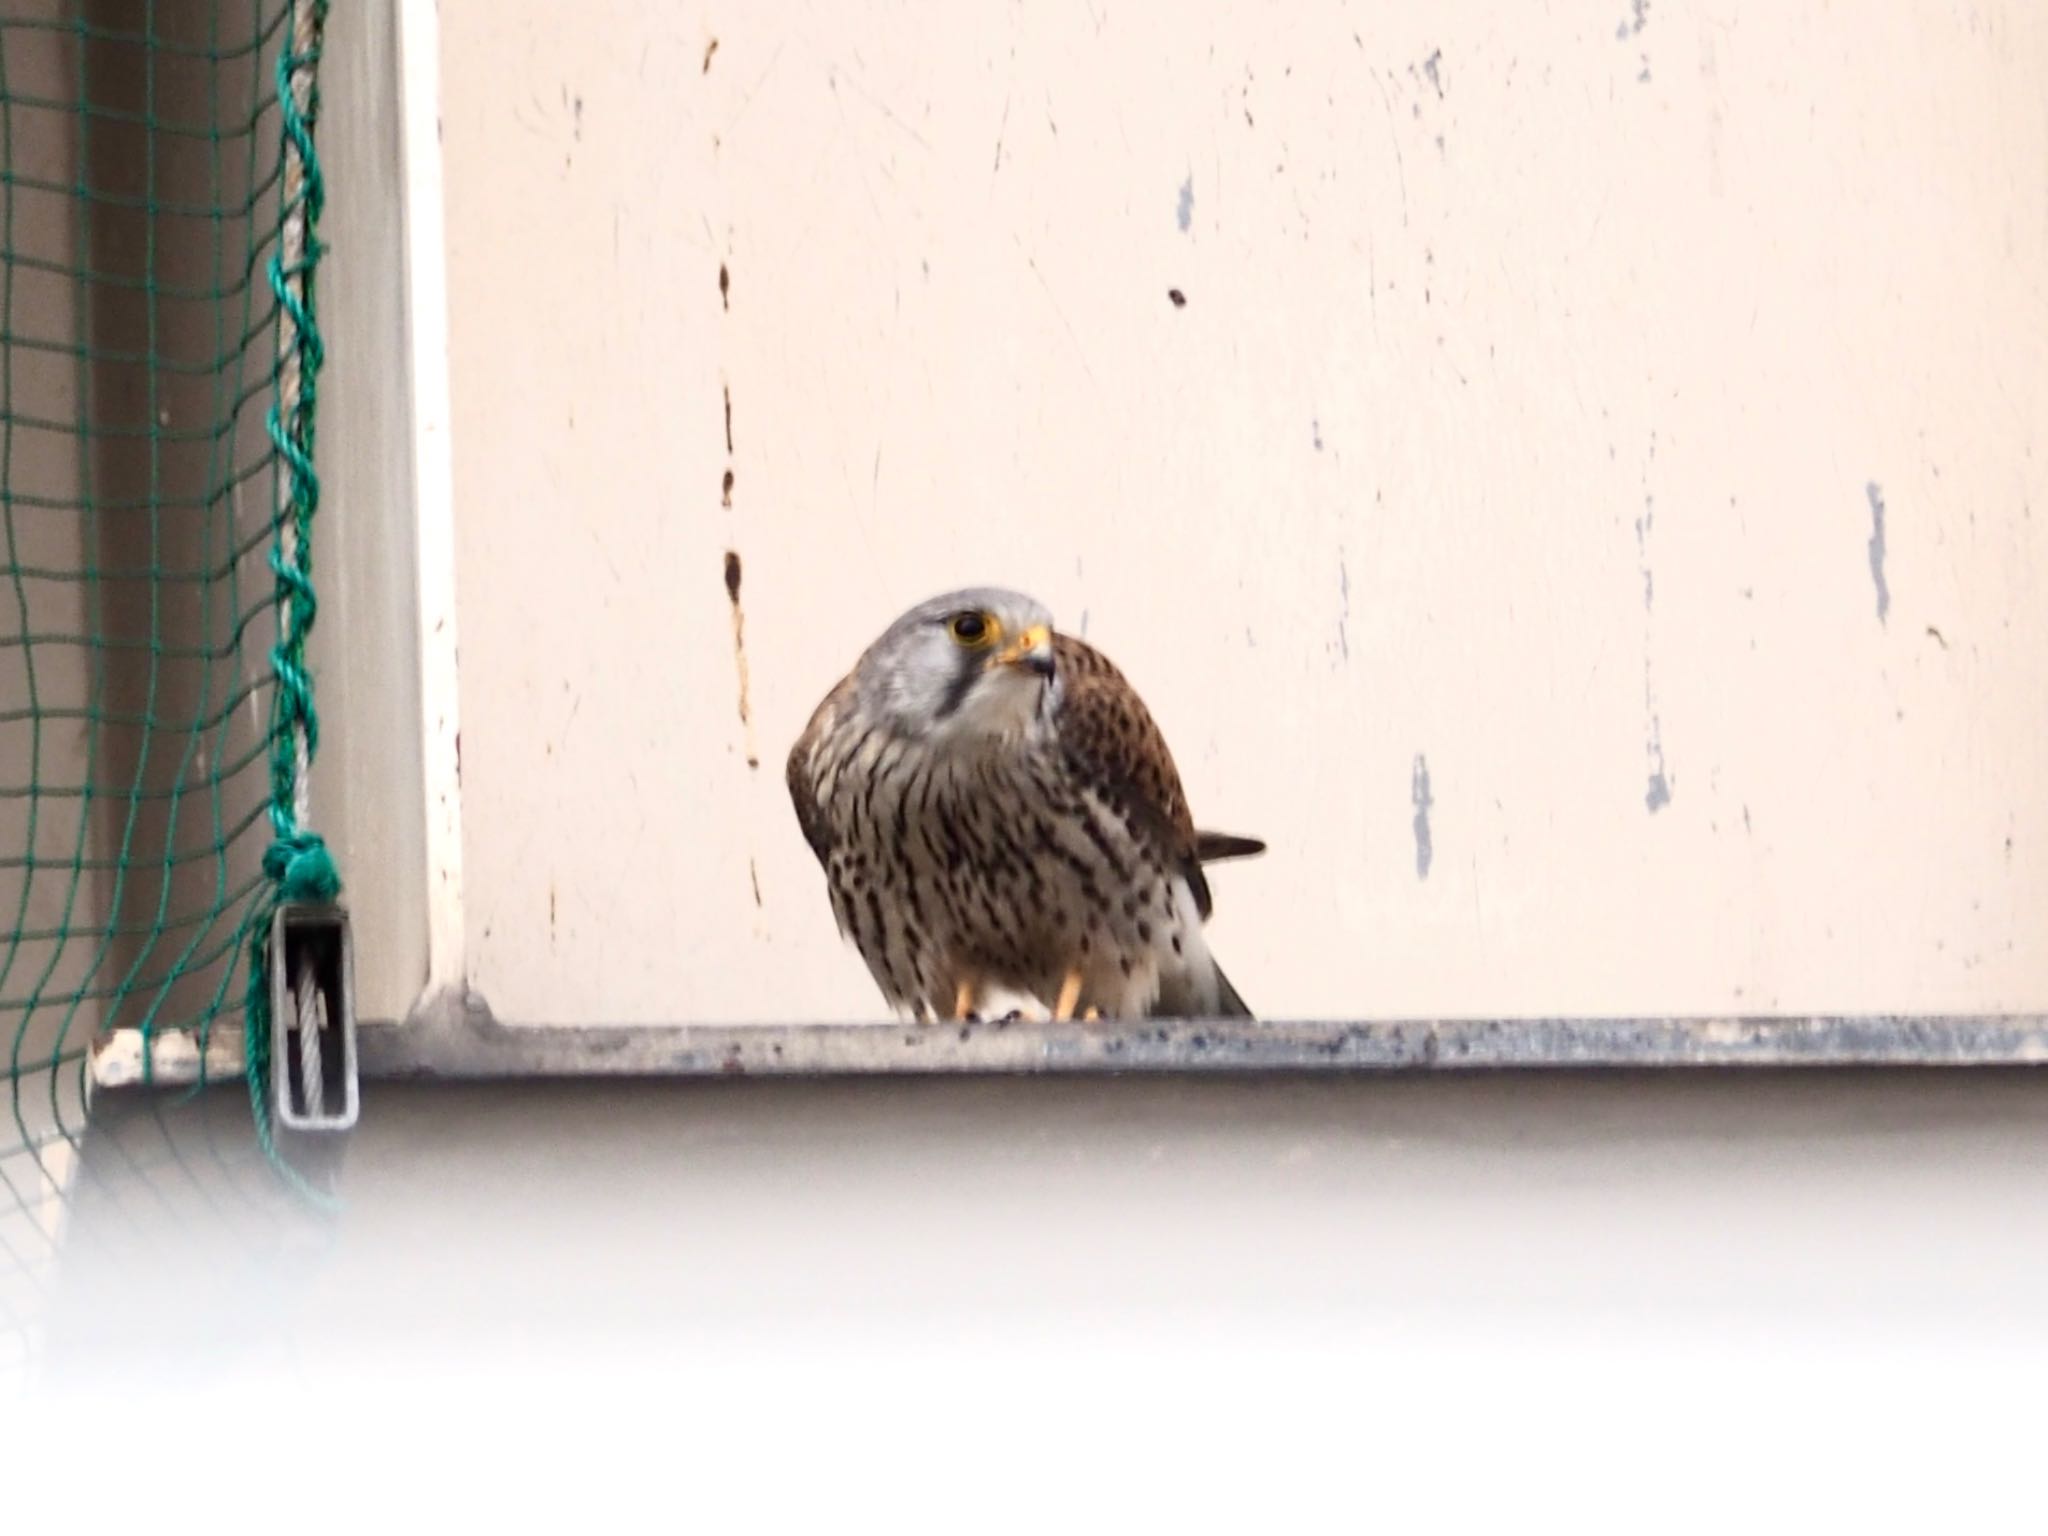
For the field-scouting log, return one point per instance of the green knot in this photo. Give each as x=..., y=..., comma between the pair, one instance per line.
x=302, y=868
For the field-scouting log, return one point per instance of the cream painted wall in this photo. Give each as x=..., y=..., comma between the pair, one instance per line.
x=1541, y=377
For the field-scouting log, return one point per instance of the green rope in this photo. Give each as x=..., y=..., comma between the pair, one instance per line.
x=297, y=864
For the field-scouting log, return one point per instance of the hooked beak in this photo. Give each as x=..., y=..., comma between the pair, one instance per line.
x=1032, y=650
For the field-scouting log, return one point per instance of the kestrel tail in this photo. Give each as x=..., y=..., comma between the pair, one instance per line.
x=995, y=809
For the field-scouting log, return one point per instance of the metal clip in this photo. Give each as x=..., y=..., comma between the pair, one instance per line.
x=312, y=1019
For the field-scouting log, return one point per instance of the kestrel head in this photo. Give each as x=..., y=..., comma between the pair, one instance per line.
x=975, y=663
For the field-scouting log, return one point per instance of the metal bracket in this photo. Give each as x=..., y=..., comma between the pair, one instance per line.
x=313, y=1078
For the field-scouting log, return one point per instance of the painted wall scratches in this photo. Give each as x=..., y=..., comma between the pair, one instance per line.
x=1631, y=28
x=1344, y=607
x=1418, y=790
x=1657, y=792
x=1184, y=211
x=1884, y=591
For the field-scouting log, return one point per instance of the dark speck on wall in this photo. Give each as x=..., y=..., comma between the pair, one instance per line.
x=739, y=657
x=1180, y=300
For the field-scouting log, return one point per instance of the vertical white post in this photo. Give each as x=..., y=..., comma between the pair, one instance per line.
x=426, y=281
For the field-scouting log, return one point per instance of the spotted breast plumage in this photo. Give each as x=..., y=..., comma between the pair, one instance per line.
x=997, y=814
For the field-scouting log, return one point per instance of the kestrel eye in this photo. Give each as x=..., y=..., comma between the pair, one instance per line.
x=970, y=628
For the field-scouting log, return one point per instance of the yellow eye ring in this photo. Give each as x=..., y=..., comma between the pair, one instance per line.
x=976, y=631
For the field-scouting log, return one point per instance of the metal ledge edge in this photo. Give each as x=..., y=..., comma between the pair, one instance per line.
x=456, y=1039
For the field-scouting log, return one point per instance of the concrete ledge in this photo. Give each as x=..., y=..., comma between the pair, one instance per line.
x=461, y=1042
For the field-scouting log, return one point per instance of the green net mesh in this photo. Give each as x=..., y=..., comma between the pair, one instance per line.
x=155, y=433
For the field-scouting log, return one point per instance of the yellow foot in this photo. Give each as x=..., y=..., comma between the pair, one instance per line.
x=1070, y=994
x=1091, y=1015
x=963, y=1001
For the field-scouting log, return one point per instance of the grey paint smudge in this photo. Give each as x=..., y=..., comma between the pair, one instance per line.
x=1433, y=67
x=1344, y=612
x=1315, y=434
x=1418, y=789
x=1638, y=18
x=1643, y=526
x=1884, y=591
x=1184, y=211
x=1658, y=795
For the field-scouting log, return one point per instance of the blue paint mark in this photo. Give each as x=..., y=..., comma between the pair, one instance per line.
x=1344, y=614
x=1643, y=526
x=1185, y=212
x=1884, y=591
x=1418, y=789
x=1658, y=795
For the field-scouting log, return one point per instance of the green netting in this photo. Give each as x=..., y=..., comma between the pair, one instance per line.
x=157, y=356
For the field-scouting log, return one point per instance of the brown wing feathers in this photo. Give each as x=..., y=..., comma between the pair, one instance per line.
x=1111, y=738
x=801, y=775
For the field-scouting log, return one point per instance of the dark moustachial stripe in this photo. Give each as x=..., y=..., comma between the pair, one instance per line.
x=961, y=685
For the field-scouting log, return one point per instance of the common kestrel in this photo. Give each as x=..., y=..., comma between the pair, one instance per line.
x=995, y=810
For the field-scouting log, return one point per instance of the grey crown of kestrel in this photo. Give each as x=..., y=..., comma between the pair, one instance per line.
x=997, y=814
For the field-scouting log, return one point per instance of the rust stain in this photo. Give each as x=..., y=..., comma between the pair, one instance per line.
x=724, y=287
x=725, y=495
x=710, y=49
x=739, y=655
x=728, y=418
